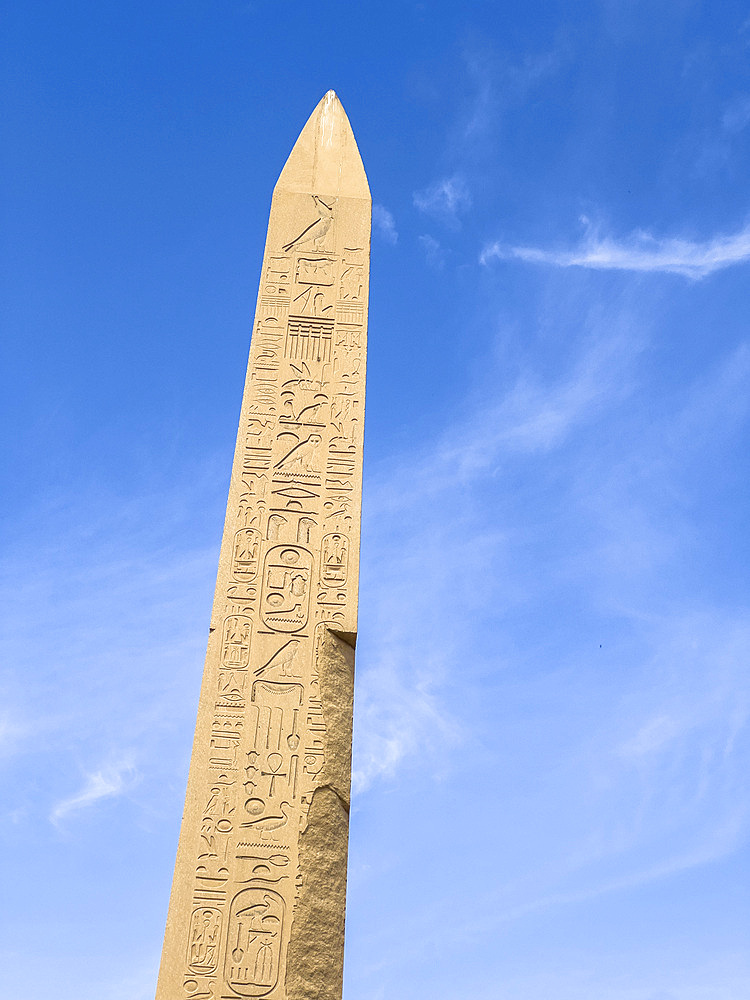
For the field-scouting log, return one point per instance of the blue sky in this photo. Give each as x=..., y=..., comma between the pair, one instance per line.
x=551, y=732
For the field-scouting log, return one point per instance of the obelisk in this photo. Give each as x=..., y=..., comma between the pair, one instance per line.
x=257, y=904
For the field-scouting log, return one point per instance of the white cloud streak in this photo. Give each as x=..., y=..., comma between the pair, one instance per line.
x=737, y=116
x=11, y=731
x=394, y=718
x=498, y=84
x=401, y=709
x=433, y=251
x=655, y=762
x=384, y=224
x=108, y=782
x=446, y=199
x=640, y=252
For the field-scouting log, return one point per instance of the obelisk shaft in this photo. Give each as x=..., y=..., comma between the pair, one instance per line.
x=257, y=904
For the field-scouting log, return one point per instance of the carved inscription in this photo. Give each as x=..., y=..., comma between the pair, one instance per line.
x=254, y=942
x=314, y=235
x=236, y=649
x=286, y=588
x=287, y=577
x=203, y=947
x=309, y=339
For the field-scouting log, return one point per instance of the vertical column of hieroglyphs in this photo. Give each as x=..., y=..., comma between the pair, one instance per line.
x=288, y=572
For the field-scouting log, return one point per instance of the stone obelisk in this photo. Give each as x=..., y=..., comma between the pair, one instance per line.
x=257, y=904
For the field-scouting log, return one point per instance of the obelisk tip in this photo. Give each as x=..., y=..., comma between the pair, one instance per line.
x=325, y=159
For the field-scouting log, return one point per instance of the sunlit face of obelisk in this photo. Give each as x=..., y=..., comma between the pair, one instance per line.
x=258, y=898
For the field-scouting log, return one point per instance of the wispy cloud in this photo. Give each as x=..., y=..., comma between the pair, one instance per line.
x=446, y=199
x=11, y=732
x=137, y=983
x=535, y=415
x=384, y=224
x=402, y=710
x=737, y=115
x=722, y=840
x=640, y=252
x=497, y=83
x=135, y=672
x=394, y=720
x=483, y=106
x=108, y=782
x=433, y=251
x=647, y=738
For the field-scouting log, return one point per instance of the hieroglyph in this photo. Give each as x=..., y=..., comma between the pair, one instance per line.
x=257, y=905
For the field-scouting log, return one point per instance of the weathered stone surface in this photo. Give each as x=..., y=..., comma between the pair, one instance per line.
x=257, y=905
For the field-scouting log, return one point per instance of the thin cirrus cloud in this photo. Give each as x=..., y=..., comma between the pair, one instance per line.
x=649, y=781
x=402, y=711
x=446, y=199
x=384, y=224
x=639, y=252
x=737, y=115
x=106, y=783
x=433, y=251
x=655, y=764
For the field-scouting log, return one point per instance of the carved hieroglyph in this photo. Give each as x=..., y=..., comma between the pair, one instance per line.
x=257, y=905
